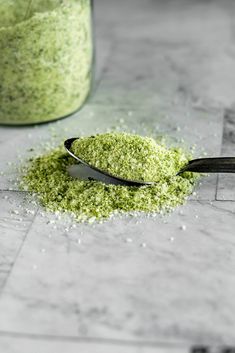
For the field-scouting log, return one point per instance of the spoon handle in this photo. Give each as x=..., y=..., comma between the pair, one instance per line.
x=210, y=165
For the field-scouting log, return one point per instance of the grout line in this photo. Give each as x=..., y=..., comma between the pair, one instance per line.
x=17, y=255
x=93, y=340
x=221, y=200
x=208, y=201
x=216, y=187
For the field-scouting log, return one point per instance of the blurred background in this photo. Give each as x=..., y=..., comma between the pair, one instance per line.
x=167, y=48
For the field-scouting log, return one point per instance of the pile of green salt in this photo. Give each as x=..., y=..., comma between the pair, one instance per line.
x=122, y=154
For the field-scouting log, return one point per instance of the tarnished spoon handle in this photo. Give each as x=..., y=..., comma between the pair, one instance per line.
x=210, y=165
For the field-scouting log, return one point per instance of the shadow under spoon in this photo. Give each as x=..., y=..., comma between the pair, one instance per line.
x=200, y=165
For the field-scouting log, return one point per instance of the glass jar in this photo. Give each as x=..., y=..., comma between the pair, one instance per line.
x=46, y=59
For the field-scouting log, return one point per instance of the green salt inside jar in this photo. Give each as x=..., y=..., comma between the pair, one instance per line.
x=46, y=59
x=144, y=159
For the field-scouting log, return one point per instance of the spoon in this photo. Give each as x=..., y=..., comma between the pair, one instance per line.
x=201, y=165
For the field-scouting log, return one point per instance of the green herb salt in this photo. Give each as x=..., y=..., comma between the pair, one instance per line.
x=130, y=156
x=122, y=154
x=46, y=59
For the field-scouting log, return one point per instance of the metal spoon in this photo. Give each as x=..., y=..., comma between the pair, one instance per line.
x=201, y=165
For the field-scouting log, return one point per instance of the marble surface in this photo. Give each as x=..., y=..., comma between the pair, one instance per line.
x=131, y=284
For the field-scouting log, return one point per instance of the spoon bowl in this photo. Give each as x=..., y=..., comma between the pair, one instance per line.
x=200, y=165
x=121, y=181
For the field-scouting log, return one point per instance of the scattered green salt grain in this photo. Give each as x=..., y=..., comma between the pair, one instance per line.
x=126, y=155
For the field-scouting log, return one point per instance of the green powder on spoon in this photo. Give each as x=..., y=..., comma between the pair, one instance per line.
x=124, y=155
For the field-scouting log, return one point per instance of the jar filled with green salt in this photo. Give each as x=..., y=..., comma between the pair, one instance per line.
x=46, y=59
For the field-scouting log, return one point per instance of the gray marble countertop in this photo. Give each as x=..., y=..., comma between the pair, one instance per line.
x=132, y=285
